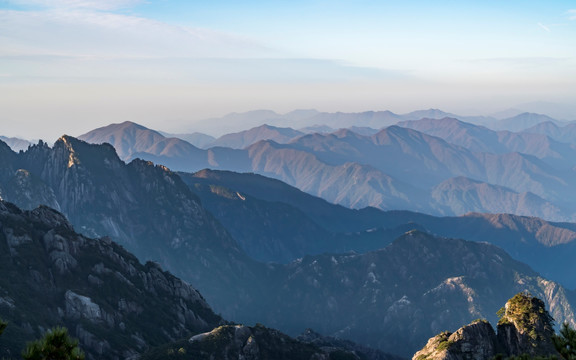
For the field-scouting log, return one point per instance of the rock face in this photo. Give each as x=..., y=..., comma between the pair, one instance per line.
x=524, y=328
x=249, y=343
x=146, y=208
x=114, y=305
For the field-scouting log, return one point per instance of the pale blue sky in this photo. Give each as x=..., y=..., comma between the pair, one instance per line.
x=77, y=64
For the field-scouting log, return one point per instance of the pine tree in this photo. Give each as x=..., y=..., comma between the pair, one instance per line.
x=565, y=343
x=56, y=344
x=3, y=325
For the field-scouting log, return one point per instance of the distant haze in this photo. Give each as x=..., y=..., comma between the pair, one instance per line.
x=71, y=66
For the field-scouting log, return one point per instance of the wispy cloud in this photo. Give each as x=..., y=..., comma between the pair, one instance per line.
x=544, y=27
x=84, y=32
x=572, y=14
x=78, y=4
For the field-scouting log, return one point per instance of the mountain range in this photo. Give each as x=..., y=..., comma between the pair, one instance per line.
x=395, y=168
x=157, y=215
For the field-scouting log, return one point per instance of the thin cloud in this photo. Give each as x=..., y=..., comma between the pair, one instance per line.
x=546, y=28
x=572, y=14
x=76, y=32
x=105, y=5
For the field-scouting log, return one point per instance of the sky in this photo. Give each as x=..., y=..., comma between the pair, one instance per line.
x=68, y=66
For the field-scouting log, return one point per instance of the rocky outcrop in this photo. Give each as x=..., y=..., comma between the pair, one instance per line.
x=117, y=307
x=476, y=341
x=525, y=328
x=249, y=343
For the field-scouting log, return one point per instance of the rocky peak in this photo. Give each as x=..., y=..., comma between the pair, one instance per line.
x=525, y=327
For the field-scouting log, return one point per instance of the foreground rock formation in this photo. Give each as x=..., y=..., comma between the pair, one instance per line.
x=525, y=328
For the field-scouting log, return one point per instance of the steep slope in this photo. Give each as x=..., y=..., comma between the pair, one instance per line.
x=349, y=184
x=335, y=218
x=146, y=208
x=403, y=153
x=462, y=195
x=396, y=298
x=117, y=307
x=246, y=138
x=277, y=231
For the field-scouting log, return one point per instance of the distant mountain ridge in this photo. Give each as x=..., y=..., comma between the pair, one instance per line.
x=395, y=168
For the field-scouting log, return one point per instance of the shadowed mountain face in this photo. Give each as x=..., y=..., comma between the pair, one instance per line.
x=144, y=207
x=244, y=202
x=117, y=307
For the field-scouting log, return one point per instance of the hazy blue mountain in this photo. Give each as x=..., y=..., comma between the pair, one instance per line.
x=481, y=139
x=565, y=133
x=424, y=161
x=521, y=121
x=127, y=138
x=117, y=307
x=299, y=119
x=461, y=195
x=395, y=168
x=316, y=129
x=197, y=139
x=134, y=141
x=246, y=138
x=16, y=144
x=347, y=183
x=365, y=131
x=403, y=153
